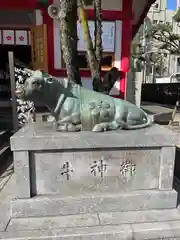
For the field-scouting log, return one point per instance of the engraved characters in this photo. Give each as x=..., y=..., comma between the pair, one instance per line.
x=127, y=169
x=67, y=170
x=98, y=168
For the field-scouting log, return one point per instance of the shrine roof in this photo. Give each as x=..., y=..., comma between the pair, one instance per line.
x=140, y=10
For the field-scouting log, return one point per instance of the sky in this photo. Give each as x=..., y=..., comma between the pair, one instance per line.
x=171, y=4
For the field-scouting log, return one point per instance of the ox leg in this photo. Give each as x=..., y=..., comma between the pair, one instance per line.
x=114, y=125
x=118, y=122
x=74, y=119
x=133, y=118
x=69, y=124
x=68, y=127
x=103, y=127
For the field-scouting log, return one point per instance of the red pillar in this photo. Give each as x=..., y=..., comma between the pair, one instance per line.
x=126, y=44
x=50, y=37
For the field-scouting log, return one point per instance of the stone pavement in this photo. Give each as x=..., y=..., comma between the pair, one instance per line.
x=163, y=113
x=7, y=182
x=156, y=108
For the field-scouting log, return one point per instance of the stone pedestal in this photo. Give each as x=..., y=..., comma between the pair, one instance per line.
x=85, y=183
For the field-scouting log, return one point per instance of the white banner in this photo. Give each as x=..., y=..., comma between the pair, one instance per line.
x=8, y=37
x=108, y=36
x=21, y=37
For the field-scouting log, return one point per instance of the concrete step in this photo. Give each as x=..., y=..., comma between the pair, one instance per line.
x=85, y=220
x=137, y=231
x=91, y=203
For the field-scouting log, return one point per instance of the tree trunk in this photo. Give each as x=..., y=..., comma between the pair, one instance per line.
x=98, y=32
x=91, y=58
x=68, y=32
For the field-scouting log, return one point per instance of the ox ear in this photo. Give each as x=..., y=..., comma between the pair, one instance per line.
x=38, y=74
x=37, y=77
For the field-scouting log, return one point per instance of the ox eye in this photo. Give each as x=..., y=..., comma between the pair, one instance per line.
x=50, y=80
x=36, y=83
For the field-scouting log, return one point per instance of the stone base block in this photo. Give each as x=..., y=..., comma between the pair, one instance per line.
x=100, y=186
x=62, y=206
x=71, y=164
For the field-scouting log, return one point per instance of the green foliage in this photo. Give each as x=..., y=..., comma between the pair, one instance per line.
x=166, y=38
x=176, y=17
x=137, y=50
x=154, y=59
x=88, y=2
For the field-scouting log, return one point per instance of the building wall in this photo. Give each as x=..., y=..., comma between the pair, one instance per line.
x=178, y=3
x=162, y=11
x=111, y=5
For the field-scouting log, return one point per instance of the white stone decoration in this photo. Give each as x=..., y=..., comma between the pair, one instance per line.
x=108, y=35
x=25, y=109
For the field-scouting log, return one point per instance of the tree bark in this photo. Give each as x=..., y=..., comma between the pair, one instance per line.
x=91, y=58
x=68, y=32
x=97, y=82
x=98, y=32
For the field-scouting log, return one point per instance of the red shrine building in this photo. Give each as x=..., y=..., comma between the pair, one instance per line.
x=34, y=37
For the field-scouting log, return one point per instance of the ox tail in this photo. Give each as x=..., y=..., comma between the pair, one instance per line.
x=149, y=122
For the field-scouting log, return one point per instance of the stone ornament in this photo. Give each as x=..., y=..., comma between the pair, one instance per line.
x=25, y=109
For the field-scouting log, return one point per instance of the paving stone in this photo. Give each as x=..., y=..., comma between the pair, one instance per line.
x=6, y=195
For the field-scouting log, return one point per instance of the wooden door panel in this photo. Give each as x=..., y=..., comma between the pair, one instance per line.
x=39, y=47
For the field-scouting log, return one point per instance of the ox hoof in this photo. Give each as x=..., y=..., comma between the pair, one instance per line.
x=102, y=127
x=68, y=127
